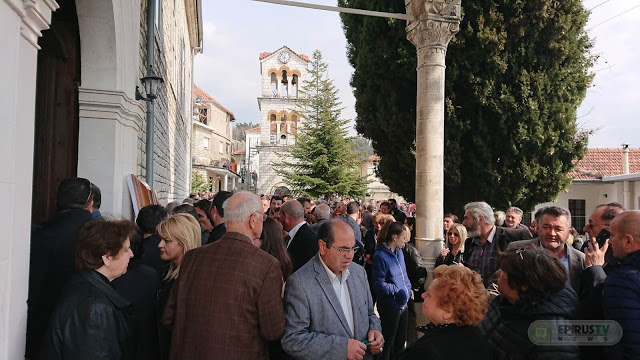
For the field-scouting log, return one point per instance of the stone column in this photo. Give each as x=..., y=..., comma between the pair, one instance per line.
x=225, y=183
x=430, y=33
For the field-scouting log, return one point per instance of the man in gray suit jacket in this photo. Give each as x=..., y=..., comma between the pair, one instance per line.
x=328, y=307
x=553, y=231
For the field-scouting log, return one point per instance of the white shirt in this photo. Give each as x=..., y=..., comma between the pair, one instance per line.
x=492, y=234
x=339, y=283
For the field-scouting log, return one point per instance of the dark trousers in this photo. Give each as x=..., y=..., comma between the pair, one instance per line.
x=394, y=329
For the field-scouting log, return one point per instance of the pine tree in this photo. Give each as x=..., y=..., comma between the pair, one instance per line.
x=323, y=160
x=516, y=73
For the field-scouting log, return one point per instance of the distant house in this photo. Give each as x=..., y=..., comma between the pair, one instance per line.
x=211, y=142
x=376, y=189
x=602, y=176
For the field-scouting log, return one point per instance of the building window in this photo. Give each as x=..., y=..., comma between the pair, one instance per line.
x=221, y=148
x=578, y=213
x=203, y=113
x=205, y=143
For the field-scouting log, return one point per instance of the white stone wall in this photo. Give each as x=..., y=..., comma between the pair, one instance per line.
x=200, y=154
x=172, y=107
x=268, y=179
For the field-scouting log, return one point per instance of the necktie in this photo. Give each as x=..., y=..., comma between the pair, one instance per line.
x=287, y=240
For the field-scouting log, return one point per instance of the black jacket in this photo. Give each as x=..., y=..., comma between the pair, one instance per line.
x=507, y=326
x=52, y=264
x=216, y=233
x=91, y=321
x=303, y=247
x=151, y=256
x=502, y=238
x=442, y=342
x=139, y=285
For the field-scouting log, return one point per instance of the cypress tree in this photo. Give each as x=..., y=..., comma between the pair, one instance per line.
x=516, y=73
x=324, y=162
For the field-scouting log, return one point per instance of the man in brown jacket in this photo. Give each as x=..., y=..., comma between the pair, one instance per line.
x=226, y=303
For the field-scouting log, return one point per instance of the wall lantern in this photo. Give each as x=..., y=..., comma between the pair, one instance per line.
x=151, y=87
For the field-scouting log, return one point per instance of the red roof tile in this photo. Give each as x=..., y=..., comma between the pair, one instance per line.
x=197, y=92
x=255, y=129
x=239, y=152
x=604, y=162
x=267, y=54
x=373, y=157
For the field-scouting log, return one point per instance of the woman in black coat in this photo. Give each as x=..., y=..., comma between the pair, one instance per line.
x=455, y=303
x=92, y=320
x=454, y=246
x=140, y=285
x=532, y=287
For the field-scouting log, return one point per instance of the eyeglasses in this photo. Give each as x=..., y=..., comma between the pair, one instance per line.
x=346, y=250
x=454, y=234
x=90, y=191
x=519, y=252
x=261, y=214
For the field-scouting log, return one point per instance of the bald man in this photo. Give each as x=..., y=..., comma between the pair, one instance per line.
x=621, y=282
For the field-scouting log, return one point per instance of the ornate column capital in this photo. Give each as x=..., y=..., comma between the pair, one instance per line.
x=431, y=28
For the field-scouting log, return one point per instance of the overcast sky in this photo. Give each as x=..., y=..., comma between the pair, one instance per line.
x=237, y=31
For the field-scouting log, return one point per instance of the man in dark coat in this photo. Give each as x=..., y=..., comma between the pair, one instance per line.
x=302, y=242
x=227, y=301
x=148, y=219
x=485, y=239
x=216, y=215
x=53, y=257
x=621, y=282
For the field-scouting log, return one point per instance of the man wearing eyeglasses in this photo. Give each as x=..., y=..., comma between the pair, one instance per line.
x=328, y=307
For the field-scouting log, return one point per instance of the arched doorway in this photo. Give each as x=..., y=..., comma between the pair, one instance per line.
x=56, y=121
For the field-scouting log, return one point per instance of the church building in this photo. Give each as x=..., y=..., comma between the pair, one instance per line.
x=283, y=72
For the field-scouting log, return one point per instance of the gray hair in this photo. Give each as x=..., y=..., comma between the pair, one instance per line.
x=172, y=205
x=500, y=217
x=239, y=207
x=556, y=211
x=323, y=211
x=294, y=209
x=481, y=208
x=516, y=210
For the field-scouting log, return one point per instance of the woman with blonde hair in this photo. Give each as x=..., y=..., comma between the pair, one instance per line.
x=454, y=246
x=455, y=303
x=179, y=233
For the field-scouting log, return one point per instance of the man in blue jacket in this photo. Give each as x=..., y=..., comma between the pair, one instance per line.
x=621, y=293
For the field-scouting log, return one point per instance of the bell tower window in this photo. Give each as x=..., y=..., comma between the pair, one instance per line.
x=284, y=90
x=294, y=86
x=274, y=84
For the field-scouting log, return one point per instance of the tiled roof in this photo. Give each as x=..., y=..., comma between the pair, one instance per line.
x=604, y=162
x=255, y=129
x=239, y=152
x=373, y=157
x=267, y=54
x=197, y=92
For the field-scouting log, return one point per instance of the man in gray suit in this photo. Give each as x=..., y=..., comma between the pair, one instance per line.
x=328, y=307
x=554, y=228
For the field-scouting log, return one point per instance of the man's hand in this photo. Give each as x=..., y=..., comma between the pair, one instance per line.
x=593, y=255
x=355, y=350
x=375, y=341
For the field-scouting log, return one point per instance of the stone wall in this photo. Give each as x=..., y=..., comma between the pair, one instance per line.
x=173, y=63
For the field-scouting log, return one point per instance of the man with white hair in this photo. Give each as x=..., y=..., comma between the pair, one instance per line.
x=485, y=239
x=301, y=242
x=225, y=281
x=323, y=211
x=513, y=219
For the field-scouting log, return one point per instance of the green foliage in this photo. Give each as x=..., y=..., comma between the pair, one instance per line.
x=516, y=73
x=362, y=147
x=238, y=131
x=324, y=161
x=199, y=183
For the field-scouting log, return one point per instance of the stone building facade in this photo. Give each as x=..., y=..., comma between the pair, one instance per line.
x=283, y=72
x=211, y=142
x=89, y=55
x=376, y=189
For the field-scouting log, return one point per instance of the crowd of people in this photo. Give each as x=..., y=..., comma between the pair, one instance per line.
x=242, y=276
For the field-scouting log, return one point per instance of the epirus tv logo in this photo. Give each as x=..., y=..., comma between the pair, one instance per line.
x=577, y=332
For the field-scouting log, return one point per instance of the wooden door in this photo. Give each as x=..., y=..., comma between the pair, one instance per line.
x=56, y=122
